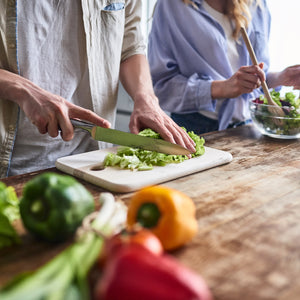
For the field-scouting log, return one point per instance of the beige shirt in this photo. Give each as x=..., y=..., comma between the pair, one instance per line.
x=111, y=37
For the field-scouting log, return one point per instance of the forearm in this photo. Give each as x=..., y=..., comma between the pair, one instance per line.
x=13, y=87
x=217, y=89
x=222, y=89
x=274, y=79
x=47, y=111
x=178, y=93
x=290, y=76
x=135, y=77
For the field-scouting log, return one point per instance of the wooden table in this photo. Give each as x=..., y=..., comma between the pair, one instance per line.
x=248, y=245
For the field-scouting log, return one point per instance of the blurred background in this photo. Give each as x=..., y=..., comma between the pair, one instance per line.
x=284, y=46
x=285, y=35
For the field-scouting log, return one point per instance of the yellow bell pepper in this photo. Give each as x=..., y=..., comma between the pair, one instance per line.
x=168, y=213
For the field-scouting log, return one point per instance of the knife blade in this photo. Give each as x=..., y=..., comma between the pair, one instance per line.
x=123, y=138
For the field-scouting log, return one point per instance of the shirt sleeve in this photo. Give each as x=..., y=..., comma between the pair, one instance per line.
x=133, y=40
x=177, y=90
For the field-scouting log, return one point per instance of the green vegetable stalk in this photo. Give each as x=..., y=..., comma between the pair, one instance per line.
x=9, y=212
x=65, y=276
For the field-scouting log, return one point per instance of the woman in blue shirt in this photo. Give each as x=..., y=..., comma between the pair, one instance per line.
x=200, y=66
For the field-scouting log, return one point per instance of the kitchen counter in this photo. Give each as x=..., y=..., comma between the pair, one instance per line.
x=248, y=245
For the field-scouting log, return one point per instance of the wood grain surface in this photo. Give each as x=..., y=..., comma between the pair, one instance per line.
x=248, y=245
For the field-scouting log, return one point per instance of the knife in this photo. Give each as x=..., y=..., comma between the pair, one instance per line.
x=118, y=137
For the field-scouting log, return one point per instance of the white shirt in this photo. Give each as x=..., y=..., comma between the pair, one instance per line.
x=241, y=112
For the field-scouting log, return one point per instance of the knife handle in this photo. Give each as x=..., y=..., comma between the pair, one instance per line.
x=82, y=125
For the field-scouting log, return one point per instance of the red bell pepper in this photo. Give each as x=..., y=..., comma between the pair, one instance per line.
x=135, y=273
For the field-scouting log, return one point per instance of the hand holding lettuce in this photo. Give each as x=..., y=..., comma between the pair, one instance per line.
x=142, y=160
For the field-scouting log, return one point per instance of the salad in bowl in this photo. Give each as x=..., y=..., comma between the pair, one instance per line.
x=269, y=119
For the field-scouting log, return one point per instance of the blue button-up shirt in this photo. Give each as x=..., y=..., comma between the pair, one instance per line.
x=188, y=50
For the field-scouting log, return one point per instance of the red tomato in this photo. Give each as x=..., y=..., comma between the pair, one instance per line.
x=142, y=237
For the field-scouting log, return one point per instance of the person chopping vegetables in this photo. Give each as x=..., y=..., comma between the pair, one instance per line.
x=200, y=66
x=62, y=60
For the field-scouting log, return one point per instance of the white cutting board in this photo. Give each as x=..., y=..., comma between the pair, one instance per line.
x=88, y=166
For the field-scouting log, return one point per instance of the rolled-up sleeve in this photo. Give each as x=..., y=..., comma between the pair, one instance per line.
x=177, y=92
x=181, y=77
x=133, y=40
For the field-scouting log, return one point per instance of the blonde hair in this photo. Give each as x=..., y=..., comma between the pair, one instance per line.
x=236, y=10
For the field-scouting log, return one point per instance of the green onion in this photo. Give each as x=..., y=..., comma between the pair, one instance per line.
x=65, y=276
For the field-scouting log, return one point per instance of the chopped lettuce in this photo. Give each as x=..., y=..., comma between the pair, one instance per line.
x=142, y=160
x=9, y=212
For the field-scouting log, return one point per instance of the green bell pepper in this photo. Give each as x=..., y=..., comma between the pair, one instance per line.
x=53, y=206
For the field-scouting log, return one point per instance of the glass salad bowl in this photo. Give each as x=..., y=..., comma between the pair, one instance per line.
x=269, y=119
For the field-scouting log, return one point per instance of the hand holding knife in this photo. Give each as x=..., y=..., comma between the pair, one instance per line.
x=129, y=139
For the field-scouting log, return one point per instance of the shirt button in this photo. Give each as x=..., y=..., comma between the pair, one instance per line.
x=11, y=127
